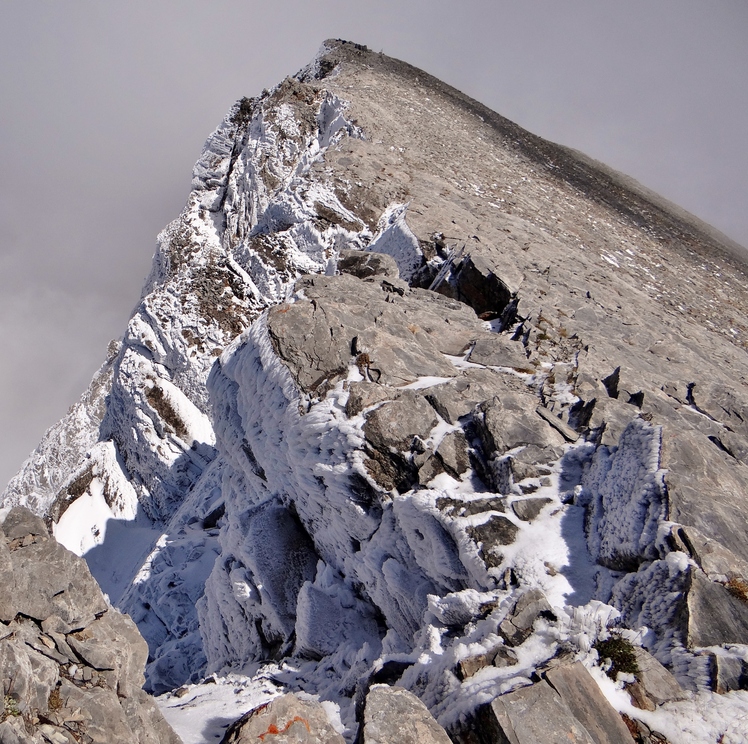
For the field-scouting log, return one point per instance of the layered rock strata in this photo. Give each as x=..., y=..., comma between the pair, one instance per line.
x=71, y=665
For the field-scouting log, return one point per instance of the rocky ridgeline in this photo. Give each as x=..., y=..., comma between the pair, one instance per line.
x=414, y=397
x=493, y=423
x=564, y=705
x=71, y=665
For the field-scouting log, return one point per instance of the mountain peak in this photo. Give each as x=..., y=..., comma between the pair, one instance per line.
x=409, y=386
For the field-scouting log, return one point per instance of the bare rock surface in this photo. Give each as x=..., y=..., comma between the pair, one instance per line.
x=365, y=264
x=658, y=683
x=395, y=716
x=518, y=625
x=71, y=665
x=582, y=696
x=713, y=615
x=528, y=509
x=286, y=720
x=402, y=338
x=533, y=714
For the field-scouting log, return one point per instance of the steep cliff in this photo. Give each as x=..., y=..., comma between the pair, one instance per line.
x=411, y=389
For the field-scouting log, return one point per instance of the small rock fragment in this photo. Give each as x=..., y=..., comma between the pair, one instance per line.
x=528, y=509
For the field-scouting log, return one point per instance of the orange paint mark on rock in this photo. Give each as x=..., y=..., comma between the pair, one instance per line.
x=273, y=729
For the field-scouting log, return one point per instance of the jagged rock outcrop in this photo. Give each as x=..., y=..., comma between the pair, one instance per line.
x=412, y=389
x=71, y=665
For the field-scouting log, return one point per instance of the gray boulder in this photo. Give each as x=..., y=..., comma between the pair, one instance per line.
x=531, y=715
x=501, y=656
x=390, y=431
x=20, y=523
x=510, y=421
x=517, y=626
x=716, y=561
x=285, y=720
x=655, y=681
x=113, y=642
x=711, y=615
x=699, y=469
x=458, y=397
x=581, y=695
x=395, y=716
x=491, y=535
x=528, y=509
x=395, y=337
x=365, y=264
x=69, y=663
x=50, y=580
x=497, y=350
x=13, y=731
x=361, y=395
x=728, y=673
x=8, y=605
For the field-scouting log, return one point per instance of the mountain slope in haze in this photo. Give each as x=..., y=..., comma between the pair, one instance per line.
x=330, y=464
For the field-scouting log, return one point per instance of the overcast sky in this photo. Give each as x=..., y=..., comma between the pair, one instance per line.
x=104, y=108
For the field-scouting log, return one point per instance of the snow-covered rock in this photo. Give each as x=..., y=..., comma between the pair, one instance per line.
x=321, y=475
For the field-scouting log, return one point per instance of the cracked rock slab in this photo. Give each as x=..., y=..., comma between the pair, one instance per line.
x=582, y=696
x=535, y=714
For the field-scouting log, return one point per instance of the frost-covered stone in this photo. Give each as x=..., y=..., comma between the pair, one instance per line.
x=628, y=498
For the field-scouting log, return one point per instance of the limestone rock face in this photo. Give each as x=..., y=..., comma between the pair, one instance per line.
x=398, y=337
x=71, y=665
x=582, y=696
x=536, y=713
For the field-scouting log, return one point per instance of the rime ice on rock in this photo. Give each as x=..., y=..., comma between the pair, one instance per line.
x=300, y=463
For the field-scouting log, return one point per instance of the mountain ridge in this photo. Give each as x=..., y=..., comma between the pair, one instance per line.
x=275, y=385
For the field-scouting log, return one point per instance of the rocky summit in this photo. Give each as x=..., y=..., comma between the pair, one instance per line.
x=423, y=430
